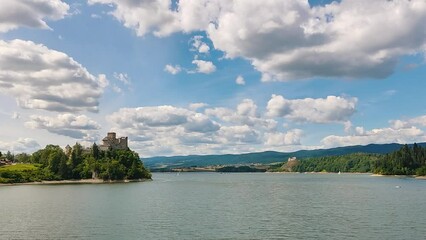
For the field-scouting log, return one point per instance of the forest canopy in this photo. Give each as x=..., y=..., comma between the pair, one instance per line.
x=405, y=161
x=53, y=163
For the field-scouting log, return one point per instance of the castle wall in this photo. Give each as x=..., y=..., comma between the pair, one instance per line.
x=110, y=141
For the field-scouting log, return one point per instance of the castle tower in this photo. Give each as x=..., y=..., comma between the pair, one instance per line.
x=111, y=135
x=112, y=142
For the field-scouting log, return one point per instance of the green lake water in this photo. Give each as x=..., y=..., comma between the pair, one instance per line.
x=219, y=206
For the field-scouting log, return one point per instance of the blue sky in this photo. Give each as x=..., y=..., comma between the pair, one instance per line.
x=314, y=74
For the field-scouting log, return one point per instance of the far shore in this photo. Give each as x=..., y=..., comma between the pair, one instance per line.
x=358, y=173
x=79, y=181
x=408, y=176
x=318, y=173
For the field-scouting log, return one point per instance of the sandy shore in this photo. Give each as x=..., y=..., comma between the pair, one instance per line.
x=81, y=181
x=408, y=176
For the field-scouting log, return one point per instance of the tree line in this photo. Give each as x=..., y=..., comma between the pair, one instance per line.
x=405, y=161
x=52, y=163
x=355, y=162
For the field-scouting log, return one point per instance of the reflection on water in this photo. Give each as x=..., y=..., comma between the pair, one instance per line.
x=219, y=206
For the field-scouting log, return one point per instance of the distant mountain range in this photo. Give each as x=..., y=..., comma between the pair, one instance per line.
x=263, y=157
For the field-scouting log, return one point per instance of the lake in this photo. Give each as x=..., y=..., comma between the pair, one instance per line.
x=219, y=206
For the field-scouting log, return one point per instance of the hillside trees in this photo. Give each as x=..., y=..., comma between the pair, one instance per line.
x=405, y=161
x=52, y=163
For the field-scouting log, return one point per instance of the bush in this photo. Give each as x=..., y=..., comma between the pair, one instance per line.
x=421, y=171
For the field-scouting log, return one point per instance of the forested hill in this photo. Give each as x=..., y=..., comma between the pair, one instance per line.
x=264, y=157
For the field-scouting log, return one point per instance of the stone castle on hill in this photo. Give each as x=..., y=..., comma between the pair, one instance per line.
x=112, y=142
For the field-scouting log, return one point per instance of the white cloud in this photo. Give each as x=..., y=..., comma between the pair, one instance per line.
x=239, y=135
x=319, y=40
x=195, y=106
x=144, y=16
x=204, y=66
x=204, y=48
x=319, y=110
x=287, y=40
x=247, y=108
x=33, y=14
x=70, y=125
x=157, y=117
x=122, y=77
x=200, y=123
x=417, y=121
x=27, y=145
x=347, y=126
x=216, y=130
x=245, y=114
x=198, y=45
x=96, y=16
x=292, y=137
x=116, y=89
x=41, y=78
x=16, y=115
x=103, y=81
x=378, y=136
x=172, y=69
x=399, y=131
x=240, y=80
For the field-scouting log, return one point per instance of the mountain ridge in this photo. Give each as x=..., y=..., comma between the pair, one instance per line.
x=264, y=157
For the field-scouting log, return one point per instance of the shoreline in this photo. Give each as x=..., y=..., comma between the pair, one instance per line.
x=400, y=176
x=81, y=181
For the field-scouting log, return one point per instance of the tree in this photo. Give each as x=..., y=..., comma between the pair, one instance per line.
x=56, y=159
x=75, y=161
x=23, y=158
x=96, y=153
x=10, y=156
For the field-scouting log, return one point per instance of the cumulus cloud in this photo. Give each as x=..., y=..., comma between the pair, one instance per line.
x=291, y=137
x=198, y=44
x=239, y=135
x=70, y=125
x=41, y=78
x=32, y=14
x=319, y=110
x=154, y=127
x=378, y=135
x=214, y=130
x=160, y=116
x=144, y=16
x=172, y=69
x=417, y=121
x=204, y=66
x=287, y=40
x=240, y=80
x=247, y=108
x=195, y=106
x=318, y=40
x=27, y=145
x=245, y=114
x=399, y=131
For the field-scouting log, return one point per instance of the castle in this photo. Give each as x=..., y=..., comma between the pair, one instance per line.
x=112, y=142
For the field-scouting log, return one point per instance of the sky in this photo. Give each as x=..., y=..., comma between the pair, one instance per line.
x=212, y=76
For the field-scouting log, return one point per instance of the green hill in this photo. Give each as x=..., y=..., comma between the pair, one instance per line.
x=264, y=157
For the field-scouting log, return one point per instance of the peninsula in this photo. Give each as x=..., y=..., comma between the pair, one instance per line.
x=111, y=161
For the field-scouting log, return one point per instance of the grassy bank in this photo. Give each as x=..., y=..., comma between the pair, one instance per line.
x=21, y=173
